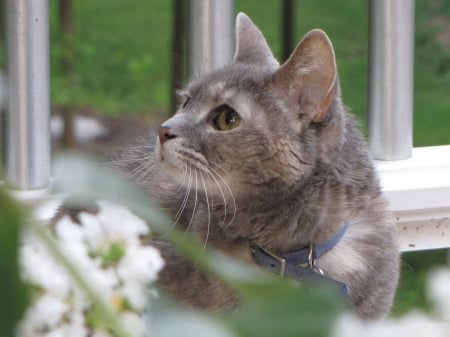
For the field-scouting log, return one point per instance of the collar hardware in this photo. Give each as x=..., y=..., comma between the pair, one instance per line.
x=312, y=261
x=292, y=264
x=280, y=269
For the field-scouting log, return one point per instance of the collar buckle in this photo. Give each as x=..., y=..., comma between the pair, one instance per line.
x=280, y=260
x=312, y=260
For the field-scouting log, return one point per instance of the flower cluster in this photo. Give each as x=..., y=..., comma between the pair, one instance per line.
x=107, y=250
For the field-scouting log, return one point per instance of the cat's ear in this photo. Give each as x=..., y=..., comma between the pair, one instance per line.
x=308, y=79
x=251, y=46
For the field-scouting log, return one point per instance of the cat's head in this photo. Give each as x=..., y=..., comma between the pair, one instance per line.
x=255, y=126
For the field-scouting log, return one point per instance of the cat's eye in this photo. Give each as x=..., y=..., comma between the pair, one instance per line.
x=186, y=101
x=225, y=118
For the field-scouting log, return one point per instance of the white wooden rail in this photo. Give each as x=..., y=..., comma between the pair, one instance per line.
x=418, y=190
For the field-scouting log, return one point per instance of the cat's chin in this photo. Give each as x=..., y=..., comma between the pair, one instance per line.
x=162, y=158
x=168, y=164
x=170, y=170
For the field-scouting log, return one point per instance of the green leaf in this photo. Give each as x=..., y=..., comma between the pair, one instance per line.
x=13, y=292
x=270, y=306
x=113, y=254
x=168, y=320
x=283, y=308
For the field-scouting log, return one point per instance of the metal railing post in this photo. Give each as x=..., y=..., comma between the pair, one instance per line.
x=211, y=35
x=391, y=58
x=27, y=127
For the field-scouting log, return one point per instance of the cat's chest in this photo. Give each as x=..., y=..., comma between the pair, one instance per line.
x=272, y=228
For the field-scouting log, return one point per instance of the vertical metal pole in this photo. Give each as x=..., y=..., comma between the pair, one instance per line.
x=27, y=150
x=2, y=93
x=211, y=35
x=391, y=58
x=287, y=28
x=178, y=51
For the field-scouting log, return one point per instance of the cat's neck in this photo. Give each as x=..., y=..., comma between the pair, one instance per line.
x=310, y=213
x=285, y=222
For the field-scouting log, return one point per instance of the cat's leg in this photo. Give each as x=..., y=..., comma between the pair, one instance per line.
x=374, y=291
x=185, y=282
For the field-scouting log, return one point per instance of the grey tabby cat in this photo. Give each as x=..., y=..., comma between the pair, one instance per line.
x=267, y=155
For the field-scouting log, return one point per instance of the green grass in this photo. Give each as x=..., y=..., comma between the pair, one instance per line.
x=121, y=52
x=411, y=292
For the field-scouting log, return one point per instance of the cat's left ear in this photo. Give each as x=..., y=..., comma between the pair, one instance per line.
x=251, y=46
x=308, y=79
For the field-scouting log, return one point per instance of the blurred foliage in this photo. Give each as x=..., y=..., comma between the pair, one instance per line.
x=270, y=306
x=432, y=73
x=119, y=50
x=13, y=293
x=414, y=275
x=283, y=308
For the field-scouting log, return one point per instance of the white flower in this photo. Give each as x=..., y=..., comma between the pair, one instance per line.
x=76, y=327
x=135, y=323
x=414, y=324
x=122, y=224
x=99, y=333
x=140, y=264
x=438, y=291
x=43, y=315
x=67, y=230
x=41, y=270
x=106, y=250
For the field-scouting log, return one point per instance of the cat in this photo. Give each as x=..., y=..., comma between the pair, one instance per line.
x=267, y=154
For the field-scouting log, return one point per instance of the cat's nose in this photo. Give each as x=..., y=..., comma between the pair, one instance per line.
x=165, y=133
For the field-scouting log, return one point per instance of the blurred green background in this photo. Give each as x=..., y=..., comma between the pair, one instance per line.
x=121, y=54
x=120, y=57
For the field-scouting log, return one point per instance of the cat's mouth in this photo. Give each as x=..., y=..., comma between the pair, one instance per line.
x=191, y=170
x=167, y=159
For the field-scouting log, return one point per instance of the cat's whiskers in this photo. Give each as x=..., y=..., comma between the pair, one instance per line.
x=195, y=203
x=141, y=171
x=219, y=167
x=184, y=202
x=136, y=170
x=148, y=168
x=142, y=157
x=186, y=195
x=208, y=171
x=140, y=147
x=208, y=207
x=231, y=195
x=135, y=154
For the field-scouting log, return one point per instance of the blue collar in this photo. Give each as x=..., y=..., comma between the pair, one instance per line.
x=290, y=264
x=304, y=255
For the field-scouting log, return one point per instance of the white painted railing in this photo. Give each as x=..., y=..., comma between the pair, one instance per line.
x=418, y=190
